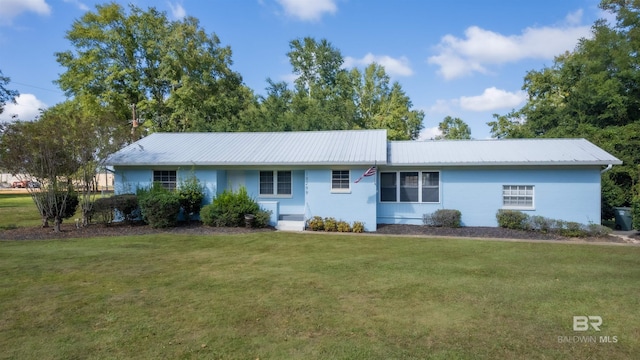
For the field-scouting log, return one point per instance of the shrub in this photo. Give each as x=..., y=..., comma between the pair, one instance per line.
x=330, y=224
x=159, y=207
x=541, y=223
x=358, y=227
x=343, y=226
x=598, y=230
x=316, y=223
x=635, y=212
x=229, y=209
x=104, y=208
x=573, y=229
x=262, y=218
x=191, y=194
x=512, y=219
x=443, y=218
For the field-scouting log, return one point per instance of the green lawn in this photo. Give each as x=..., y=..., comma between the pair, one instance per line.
x=18, y=210
x=313, y=296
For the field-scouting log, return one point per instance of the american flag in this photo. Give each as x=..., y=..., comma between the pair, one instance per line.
x=370, y=172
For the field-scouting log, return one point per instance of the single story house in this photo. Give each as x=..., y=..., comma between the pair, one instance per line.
x=358, y=175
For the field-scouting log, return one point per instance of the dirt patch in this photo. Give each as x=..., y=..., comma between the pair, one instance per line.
x=69, y=230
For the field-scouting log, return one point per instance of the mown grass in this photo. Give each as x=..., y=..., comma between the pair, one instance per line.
x=18, y=210
x=312, y=296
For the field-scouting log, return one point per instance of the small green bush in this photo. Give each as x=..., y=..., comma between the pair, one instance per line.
x=316, y=223
x=343, y=226
x=159, y=207
x=330, y=224
x=262, y=218
x=229, y=208
x=103, y=209
x=443, y=218
x=358, y=227
x=635, y=212
x=541, y=223
x=512, y=219
x=573, y=229
x=191, y=194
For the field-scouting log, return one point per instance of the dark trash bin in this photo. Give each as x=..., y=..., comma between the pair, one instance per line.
x=624, y=220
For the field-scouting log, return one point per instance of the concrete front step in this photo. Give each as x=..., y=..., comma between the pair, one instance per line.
x=289, y=225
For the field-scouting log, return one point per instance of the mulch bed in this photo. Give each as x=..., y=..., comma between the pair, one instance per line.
x=69, y=230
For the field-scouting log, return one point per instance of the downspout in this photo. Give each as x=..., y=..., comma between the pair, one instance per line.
x=606, y=169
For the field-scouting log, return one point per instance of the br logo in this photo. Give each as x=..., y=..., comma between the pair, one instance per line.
x=582, y=323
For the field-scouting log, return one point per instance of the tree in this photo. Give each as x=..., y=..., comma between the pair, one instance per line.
x=591, y=92
x=453, y=129
x=167, y=75
x=381, y=106
x=6, y=95
x=65, y=145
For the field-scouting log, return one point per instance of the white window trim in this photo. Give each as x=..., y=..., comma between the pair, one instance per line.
x=153, y=177
x=519, y=207
x=341, y=191
x=397, y=172
x=275, y=185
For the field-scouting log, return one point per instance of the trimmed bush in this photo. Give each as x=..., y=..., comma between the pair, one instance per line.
x=330, y=224
x=103, y=209
x=159, y=207
x=191, y=194
x=228, y=209
x=443, y=218
x=262, y=218
x=512, y=219
x=358, y=227
x=343, y=226
x=541, y=223
x=316, y=223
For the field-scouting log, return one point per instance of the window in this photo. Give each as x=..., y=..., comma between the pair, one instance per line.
x=165, y=177
x=410, y=186
x=388, y=186
x=275, y=182
x=340, y=180
x=517, y=196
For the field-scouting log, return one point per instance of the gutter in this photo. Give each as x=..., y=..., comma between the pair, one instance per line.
x=609, y=166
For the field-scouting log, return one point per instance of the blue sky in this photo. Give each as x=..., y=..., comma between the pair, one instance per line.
x=464, y=59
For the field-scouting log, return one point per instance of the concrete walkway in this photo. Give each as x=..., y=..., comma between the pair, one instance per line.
x=626, y=236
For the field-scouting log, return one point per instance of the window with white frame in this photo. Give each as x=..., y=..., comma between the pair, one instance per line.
x=340, y=180
x=518, y=196
x=167, y=178
x=410, y=186
x=275, y=183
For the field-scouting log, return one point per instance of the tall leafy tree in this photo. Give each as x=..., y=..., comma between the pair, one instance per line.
x=453, y=129
x=169, y=75
x=384, y=105
x=6, y=95
x=591, y=92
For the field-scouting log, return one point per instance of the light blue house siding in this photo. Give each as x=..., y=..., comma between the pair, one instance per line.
x=566, y=193
x=358, y=203
x=311, y=195
x=128, y=179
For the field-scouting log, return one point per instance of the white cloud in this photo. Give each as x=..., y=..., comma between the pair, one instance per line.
x=308, y=10
x=393, y=66
x=177, y=10
x=429, y=133
x=12, y=8
x=492, y=99
x=481, y=48
x=79, y=4
x=26, y=108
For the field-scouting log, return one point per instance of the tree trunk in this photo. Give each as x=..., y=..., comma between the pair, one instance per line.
x=45, y=222
x=56, y=224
